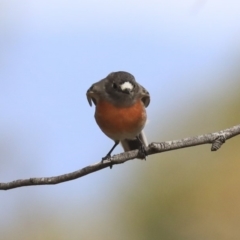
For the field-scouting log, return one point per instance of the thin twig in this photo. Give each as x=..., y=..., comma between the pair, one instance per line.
x=216, y=139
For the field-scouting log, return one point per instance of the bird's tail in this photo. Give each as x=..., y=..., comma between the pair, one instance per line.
x=133, y=144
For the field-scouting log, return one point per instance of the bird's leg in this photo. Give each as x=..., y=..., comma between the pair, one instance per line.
x=108, y=156
x=142, y=148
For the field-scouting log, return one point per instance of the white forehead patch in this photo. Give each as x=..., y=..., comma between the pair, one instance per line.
x=126, y=85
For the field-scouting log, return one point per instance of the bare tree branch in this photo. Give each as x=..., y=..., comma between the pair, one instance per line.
x=216, y=139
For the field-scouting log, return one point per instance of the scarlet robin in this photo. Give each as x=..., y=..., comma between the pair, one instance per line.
x=120, y=110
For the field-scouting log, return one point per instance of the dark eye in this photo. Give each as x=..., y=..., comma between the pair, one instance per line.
x=114, y=85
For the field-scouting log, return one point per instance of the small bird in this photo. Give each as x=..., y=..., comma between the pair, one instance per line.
x=120, y=110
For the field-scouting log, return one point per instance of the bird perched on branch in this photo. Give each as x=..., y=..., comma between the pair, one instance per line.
x=120, y=110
